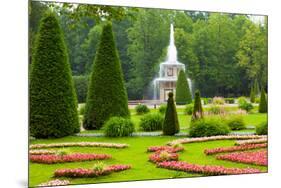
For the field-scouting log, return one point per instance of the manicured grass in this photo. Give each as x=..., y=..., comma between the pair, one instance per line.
x=135, y=155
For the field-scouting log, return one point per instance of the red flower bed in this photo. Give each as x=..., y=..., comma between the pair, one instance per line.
x=256, y=157
x=166, y=148
x=163, y=155
x=205, y=169
x=234, y=148
x=84, y=173
x=50, y=159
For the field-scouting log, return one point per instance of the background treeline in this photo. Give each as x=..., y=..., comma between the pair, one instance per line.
x=225, y=54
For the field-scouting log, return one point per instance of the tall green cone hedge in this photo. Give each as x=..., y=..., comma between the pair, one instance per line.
x=197, y=110
x=252, y=95
x=256, y=88
x=53, y=103
x=171, y=123
x=263, y=103
x=183, y=95
x=107, y=95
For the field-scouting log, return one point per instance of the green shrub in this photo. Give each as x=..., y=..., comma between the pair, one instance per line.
x=242, y=100
x=197, y=109
x=208, y=127
x=81, y=86
x=162, y=108
x=246, y=106
x=141, y=109
x=98, y=167
x=263, y=103
x=262, y=129
x=183, y=95
x=53, y=103
x=257, y=100
x=235, y=122
x=230, y=100
x=252, y=95
x=118, y=127
x=151, y=122
x=63, y=152
x=188, y=109
x=218, y=100
x=82, y=109
x=171, y=123
x=216, y=109
x=107, y=95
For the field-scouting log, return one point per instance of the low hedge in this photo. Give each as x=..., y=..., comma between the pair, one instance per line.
x=118, y=127
x=236, y=123
x=141, y=109
x=151, y=122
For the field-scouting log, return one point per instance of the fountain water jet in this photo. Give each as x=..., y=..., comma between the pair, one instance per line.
x=168, y=73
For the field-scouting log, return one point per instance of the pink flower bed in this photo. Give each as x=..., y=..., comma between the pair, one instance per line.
x=234, y=148
x=166, y=148
x=78, y=144
x=213, y=138
x=205, y=169
x=55, y=182
x=50, y=159
x=256, y=157
x=84, y=173
x=163, y=155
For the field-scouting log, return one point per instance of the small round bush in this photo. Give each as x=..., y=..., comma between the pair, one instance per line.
x=235, y=123
x=257, y=100
x=162, y=108
x=118, y=127
x=230, y=100
x=151, y=122
x=208, y=127
x=262, y=129
x=246, y=106
x=241, y=100
x=188, y=109
x=141, y=109
x=218, y=100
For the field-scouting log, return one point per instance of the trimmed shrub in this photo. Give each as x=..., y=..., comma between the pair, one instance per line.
x=171, y=123
x=252, y=95
x=235, y=122
x=53, y=103
x=141, y=109
x=208, y=127
x=151, y=122
x=262, y=129
x=263, y=103
x=118, y=127
x=197, y=109
x=256, y=87
x=162, y=108
x=246, y=106
x=241, y=100
x=183, y=95
x=229, y=100
x=188, y=109
x=81, y=86
x=218, y=100
x=107, y=95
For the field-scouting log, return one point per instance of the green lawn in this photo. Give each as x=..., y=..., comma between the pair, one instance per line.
x=135, y=155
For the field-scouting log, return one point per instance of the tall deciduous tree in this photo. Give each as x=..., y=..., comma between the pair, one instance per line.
x=107, y=95
x=53, y=104
x=183, y=95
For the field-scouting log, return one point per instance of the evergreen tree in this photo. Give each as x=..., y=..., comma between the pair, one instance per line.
x=263, y=103
x=183, y=95
x=256, y=88
x=171, y=123
x=107, y=95
x=197, y=110
x=252, y=95
x=53, y=103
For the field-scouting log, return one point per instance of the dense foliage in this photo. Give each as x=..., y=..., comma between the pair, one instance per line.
x=81, y=86
x=141, y=109
x=152, y=122
x=197, y=108
x=263, y=103
x=262, y=129
x=162, y=108
x=183, y=95
x=53, y=104
x=107, y=95
x=208, y=127
x=171, y=123
x=235, y=122
x=118, y=127
x=188, y=109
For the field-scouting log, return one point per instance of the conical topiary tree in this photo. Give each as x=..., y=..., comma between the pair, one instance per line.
x=197, y=109
x=53, y=103
x=171, y=123
x=183, y=95
x=256, y=88
x=252, y=95
x=107, y=95
x=263, y=103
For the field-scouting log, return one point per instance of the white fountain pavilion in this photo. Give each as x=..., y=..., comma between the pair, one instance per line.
x=168, y=73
